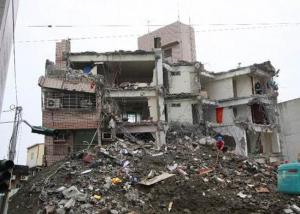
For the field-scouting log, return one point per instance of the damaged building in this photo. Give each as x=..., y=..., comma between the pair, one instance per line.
x=126, y=100
x=245, y=110
x=92, y=98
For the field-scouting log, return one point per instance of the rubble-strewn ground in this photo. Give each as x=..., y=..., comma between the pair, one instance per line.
x=236, y=185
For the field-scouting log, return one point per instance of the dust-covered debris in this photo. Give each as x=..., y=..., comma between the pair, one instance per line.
x=205, y=181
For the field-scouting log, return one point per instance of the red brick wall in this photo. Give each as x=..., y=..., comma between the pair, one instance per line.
x=62, y=47
x=69, y=119
x=65, y=119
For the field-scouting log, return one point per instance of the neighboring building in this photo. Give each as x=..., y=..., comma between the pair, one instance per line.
x=176, y=40
x=35, y=155
x=6, y=38
x=20, y=175
x=289, y=113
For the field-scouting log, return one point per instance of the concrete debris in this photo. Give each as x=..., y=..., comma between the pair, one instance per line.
x=195, y=182
x=295, y=208
x=74, y=193
x=242, y=195
x=288, y=211
x=69, y=204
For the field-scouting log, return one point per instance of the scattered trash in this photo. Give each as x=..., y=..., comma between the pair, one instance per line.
x=262, y=189
x=123, y=178
x=204, y=171
x=116, y=181
x=60, y=189
x=149, y=182
x=97, y=197
x=125, y=163
x=87, y=158
x=219, y=179
x=86, y=171
x=172, y=167
x=242, y=195
x=157, y=154
x=181, y=172
x=170, y=206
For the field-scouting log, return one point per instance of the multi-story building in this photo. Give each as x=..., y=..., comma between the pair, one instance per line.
x=92, y=97
x=8, y=13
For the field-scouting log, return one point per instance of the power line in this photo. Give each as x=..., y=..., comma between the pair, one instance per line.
x=161, y=25
x=265, y=26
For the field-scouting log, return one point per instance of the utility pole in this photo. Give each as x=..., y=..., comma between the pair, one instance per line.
x=99, y=94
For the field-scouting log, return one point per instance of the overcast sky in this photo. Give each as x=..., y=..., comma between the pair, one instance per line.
x=219, y=50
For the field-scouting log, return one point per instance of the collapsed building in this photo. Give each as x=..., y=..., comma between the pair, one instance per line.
x=246, y=108
x=92, y=97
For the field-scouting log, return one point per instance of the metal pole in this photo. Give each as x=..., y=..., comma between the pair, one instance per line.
x=4, y=203
x=98, y=109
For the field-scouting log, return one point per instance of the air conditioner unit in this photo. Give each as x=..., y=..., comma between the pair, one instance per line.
x=52, y=103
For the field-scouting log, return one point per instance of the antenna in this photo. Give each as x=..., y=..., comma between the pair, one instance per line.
x=178, y=11
x=148, y=23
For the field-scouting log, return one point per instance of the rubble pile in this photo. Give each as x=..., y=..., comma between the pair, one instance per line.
x=188, y=175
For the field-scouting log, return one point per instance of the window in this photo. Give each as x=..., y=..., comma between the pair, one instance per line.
x=175, y=73
x=31, y=155
x=131, y=117
x=167, y=53
x=60, y=137
x=157, y=42
x=175, y=104
x=234, y=109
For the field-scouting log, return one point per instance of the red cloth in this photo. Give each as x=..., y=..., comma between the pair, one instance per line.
x=219, y=114
x=220, y=145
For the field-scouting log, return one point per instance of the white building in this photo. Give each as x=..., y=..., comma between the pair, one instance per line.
x=289, y=112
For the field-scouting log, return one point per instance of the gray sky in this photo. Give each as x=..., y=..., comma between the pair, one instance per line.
x=218, y=50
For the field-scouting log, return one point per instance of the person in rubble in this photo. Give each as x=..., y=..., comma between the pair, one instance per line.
x=220, y=144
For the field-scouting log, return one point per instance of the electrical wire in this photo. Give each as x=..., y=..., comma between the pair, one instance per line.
x=196, y=31
x=159, y=25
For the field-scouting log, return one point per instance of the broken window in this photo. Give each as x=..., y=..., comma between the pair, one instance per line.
x=234, y=87
x=175, y=105
x=234, y=109
x=119, y=74
x=167, y=53
x=259, y=115
x=175, y=73
x=195, y=114
x=131, y=117
x=258, y=88
x=133, y=109
x=157, y=42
